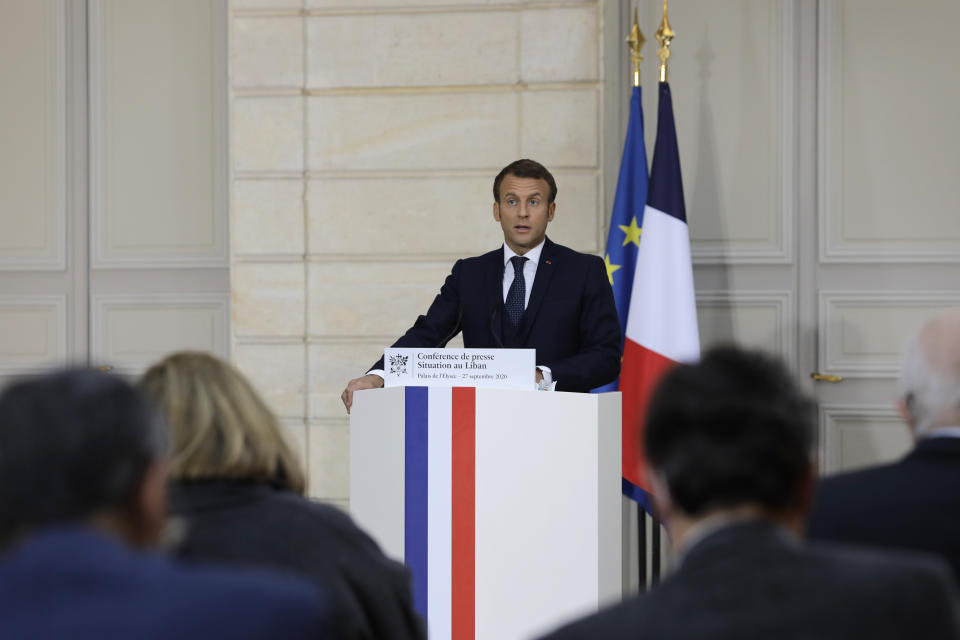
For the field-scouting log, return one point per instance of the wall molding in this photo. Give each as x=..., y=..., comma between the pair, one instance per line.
x=780, y=300
x=102, y=254
x=784, y=77
x=102, y=305
x=54, y=256
x=829, y=341
x=830, y=161
x=54, y=304
x=831, y=448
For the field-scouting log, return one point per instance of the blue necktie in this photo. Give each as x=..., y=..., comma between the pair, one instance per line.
x=517, y=293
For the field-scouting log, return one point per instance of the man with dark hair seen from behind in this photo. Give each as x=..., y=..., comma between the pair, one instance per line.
x=913, y=503
x=728, y=442
x=531, y=293
x=82, y=492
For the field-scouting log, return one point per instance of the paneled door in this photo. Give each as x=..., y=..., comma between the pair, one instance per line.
x=888, y=222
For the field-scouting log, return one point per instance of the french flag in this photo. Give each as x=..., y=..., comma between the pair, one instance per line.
x=662, y=321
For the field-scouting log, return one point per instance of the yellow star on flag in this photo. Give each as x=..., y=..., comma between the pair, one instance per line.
x=632, y=232
x=610, y=268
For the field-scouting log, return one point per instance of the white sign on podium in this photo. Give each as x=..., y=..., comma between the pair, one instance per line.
x=439, y=367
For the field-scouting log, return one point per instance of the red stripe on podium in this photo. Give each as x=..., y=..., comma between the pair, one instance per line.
x=463, y=613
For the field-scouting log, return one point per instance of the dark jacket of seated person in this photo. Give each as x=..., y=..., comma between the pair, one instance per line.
x=729, y=442
x=77, y=583
x=238, y=491
x=82, y=502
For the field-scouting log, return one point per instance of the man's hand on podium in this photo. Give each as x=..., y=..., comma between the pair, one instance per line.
x=369, y=381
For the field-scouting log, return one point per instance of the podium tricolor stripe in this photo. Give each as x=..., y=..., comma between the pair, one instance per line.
x=415, y=493
x=464, y=512
x=440, y=515
x=439, y=505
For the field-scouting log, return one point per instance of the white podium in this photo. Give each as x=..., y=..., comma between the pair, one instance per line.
x=504, y=504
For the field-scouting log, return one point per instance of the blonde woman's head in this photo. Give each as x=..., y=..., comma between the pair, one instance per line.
x=219, y=425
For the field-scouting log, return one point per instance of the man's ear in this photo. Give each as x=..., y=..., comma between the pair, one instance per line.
x=807, y=491
x=496, y=211
x=661, y=495
x=903, y=406
x=552, y=209
x=149, y=509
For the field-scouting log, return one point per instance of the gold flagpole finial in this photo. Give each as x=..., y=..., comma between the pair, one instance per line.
x=664, y=36
x=636, y=41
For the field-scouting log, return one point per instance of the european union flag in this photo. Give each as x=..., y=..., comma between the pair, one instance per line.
x=626, y=221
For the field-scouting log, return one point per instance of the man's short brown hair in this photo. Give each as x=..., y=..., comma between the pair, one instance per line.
x=525, y=168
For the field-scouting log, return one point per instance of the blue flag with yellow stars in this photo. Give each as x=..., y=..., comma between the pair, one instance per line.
x=623, y=240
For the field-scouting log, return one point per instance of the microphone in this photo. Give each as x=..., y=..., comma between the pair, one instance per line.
x=497, y=309
x=456, y=328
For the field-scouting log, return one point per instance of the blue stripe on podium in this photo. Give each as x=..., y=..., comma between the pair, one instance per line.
x=415, y=493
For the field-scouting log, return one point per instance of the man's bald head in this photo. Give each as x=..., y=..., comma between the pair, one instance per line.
x=930, y=375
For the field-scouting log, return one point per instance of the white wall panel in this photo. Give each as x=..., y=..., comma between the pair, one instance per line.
x=361, y=299
x=332, y=364
x=267, y=52
x=158, y=172
x=267, y=218
x=278, y=371
x=862, y=334
x=755, y=319
x=32, y=135
x=329, y=458
x=888, y=144
x=268, y=299
x=860, y=436
x=375, y=49
x=33, y=333
x=441, y=131
x=732, y=75
x=561, y=128
x=131, y=332
x=560, y=44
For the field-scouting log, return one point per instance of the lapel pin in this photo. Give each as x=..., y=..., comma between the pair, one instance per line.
x=549, y=262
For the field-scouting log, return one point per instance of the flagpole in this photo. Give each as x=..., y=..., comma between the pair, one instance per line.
x=664, y=37
x=635, y=42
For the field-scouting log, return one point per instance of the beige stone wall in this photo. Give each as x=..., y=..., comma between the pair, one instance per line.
x=364, y=140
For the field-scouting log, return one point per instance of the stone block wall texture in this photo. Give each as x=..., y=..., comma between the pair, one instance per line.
x=365, y=136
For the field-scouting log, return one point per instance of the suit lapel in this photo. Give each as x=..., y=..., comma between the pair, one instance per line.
x=494, y=277
x=541, y=283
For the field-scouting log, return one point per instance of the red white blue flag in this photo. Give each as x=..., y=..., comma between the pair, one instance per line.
x=662, y=322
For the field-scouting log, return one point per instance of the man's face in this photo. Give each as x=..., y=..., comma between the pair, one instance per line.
x=523, y=212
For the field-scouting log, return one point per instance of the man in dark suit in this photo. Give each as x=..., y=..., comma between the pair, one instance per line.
x=530, y=293
x=82, y=486
x=913, y=503
x=729, y=443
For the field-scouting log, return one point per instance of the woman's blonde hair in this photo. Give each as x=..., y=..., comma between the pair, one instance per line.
x=219, y=425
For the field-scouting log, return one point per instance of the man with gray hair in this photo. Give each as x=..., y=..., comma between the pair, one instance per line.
x=913, y=503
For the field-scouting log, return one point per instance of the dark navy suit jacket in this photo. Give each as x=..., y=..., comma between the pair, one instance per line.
x=571, y=318
x=750, y=581
x=913, y=503
x=79, y=584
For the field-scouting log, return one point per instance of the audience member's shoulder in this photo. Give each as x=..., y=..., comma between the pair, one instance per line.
x=248, y=602
x=912, y=583
x=857, y=478
x=344, y=527
x=624, y=620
